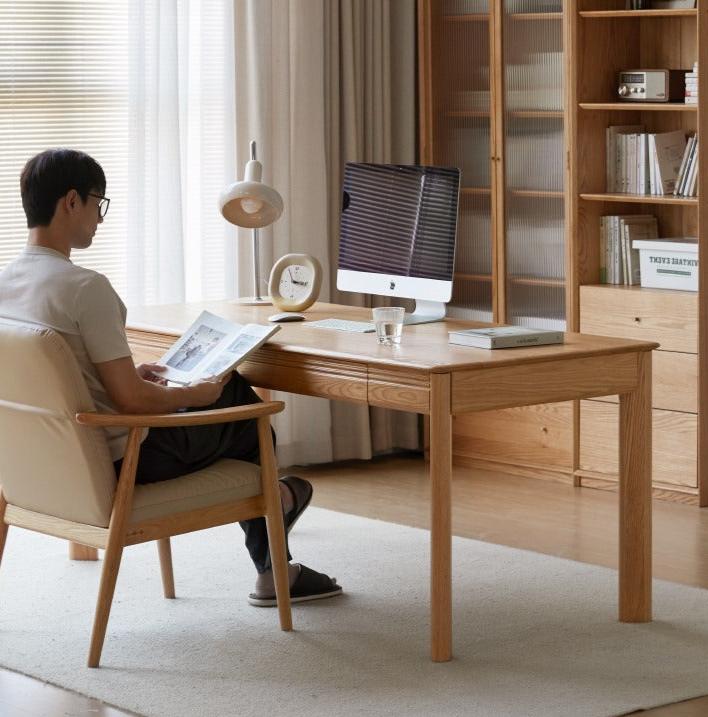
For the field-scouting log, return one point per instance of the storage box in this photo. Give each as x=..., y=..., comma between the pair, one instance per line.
x=669, y=264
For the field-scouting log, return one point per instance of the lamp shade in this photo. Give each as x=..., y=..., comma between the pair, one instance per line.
x=250, y=203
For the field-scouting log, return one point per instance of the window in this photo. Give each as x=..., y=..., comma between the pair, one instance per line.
x=64, y=83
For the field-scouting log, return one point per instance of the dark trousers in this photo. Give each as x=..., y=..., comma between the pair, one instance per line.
x=169, y=453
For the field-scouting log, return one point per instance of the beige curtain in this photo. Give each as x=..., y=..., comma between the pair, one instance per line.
x=320, y=83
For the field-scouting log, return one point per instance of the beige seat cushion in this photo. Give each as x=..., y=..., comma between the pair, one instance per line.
x=224, y=481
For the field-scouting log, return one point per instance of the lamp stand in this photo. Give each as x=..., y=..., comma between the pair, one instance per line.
x=256, y=299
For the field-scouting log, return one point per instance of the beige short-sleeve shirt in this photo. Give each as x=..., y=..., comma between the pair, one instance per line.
x=43, y=286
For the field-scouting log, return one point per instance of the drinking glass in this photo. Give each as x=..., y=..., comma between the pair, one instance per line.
x=389, y=324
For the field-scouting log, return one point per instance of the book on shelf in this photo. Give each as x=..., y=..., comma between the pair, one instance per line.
x=211, y=347
x=686, y=182
x=643, y=163
x=505, y=337
x=619, y=262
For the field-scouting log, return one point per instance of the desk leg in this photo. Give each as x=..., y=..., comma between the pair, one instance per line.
x=82, y=552
x=440, y=518
x=635, y=498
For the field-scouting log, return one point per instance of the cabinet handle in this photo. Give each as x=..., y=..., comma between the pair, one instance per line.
x=637, y=319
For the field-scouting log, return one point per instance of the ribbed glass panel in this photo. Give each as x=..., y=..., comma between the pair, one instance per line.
x=533, y=65
x=462, y=139
x=64, y=83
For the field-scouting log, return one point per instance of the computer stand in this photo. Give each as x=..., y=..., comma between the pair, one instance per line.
x=425, y=313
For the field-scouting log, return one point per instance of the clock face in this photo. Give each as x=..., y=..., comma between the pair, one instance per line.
x=295, y=282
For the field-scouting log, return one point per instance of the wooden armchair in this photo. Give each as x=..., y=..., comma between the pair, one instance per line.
x=56, y=475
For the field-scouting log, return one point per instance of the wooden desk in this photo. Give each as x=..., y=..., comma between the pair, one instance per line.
x=427, y=375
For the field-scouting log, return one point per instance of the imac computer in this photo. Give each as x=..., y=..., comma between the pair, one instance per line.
x=397, y=234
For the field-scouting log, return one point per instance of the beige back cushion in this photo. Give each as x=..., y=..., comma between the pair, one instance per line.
x=48, y=462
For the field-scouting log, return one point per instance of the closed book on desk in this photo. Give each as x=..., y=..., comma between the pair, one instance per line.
x=504, y=337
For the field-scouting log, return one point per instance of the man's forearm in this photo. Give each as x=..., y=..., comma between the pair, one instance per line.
x=151, y=397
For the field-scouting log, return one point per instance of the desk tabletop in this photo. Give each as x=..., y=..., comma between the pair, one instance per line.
x=423, y=347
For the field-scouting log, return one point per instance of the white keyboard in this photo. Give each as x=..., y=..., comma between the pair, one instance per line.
x=357, y=327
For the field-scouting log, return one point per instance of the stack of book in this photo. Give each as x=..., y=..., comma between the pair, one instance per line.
x=692, y=86
x=687, y=180
x=619, y=262
x=643, y=163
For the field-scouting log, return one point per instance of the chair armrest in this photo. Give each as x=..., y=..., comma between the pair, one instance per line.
x=188, y=418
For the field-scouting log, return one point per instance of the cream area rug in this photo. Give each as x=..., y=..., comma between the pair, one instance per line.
x=533, y=635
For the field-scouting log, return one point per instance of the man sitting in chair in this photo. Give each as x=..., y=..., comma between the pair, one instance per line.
x=63, y=198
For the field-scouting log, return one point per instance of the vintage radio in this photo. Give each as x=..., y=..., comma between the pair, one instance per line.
x=652, y=85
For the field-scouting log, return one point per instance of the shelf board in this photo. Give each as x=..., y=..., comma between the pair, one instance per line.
x=469, y=17
x=467, y=113
x=540, y=193
x=532, y=16
x=472, y=277
x=639, y=106
x=474, y=191
x=531, y=281
x=536, y=114
x=640, y=199
x=682, y=12
x=646, y=289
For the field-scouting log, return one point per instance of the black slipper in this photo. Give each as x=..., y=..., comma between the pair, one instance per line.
x=309, y=585
x=302, y=495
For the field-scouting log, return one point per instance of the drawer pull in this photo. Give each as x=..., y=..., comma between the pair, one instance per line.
x=637, y=319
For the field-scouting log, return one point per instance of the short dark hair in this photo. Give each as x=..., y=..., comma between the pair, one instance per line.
x=50, y=175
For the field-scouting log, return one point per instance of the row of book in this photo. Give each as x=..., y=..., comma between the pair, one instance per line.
x=639, y=162
x=619, y=263
x=687, y=178
x=692, y=86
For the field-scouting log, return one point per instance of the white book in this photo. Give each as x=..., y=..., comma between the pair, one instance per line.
x=614, y=156
x=651, y=152
x=693, y=177
x=504, y=337
x=684, y=162
x=604, y=221
x=683, y=188
x=670, y=147
x=211, y=347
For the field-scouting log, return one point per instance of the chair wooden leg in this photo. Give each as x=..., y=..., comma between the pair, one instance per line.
x=274, y=523
x=114, y=548
x=109, y=575
x=168, y=577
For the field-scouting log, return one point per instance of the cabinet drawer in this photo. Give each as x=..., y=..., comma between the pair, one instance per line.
x=674, y=438
x=674, y=382
x=669, y=317
x=531, y=436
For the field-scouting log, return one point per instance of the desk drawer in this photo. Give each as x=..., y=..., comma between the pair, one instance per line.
x=674, y=439
x=674, y=382
x=669, y=317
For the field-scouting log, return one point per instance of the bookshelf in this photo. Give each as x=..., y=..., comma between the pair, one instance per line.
x=601, y=38
x=491, y=101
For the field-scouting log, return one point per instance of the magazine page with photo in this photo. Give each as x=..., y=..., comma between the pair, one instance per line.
x=211, y=347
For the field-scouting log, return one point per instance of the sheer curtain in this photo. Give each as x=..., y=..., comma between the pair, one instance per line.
x=319, y=83
x=180, y=151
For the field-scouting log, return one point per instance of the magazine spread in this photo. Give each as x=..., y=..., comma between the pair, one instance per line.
x=211, y=347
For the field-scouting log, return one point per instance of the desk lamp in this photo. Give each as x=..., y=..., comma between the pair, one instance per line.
x=252, y=205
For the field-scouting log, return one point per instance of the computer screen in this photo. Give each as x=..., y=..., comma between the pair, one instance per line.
x=397, y=231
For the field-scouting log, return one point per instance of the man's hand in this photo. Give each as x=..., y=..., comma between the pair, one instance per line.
x=150, y=371
x=204, y=393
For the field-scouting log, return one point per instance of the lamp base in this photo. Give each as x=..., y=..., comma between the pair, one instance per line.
x=253, y=301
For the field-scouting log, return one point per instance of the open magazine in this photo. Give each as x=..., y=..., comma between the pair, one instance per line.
x=211, y=347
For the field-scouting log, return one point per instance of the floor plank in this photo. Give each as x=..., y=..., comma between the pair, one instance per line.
x=544, y=516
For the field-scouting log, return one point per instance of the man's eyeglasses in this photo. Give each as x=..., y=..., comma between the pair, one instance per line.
x=102, y=204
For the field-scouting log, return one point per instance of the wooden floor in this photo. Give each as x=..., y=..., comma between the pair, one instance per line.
x=548, y=517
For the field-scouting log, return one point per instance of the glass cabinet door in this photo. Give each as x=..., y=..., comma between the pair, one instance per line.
x=533, y=163
x=461, y=138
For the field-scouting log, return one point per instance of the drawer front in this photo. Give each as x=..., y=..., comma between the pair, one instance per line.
x=669, y=317
x=674, y=382
x=674, y=439
x=532, y=436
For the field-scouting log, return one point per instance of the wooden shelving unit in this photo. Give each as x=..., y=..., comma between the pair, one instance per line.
x=492, y=104
x=600, y=41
